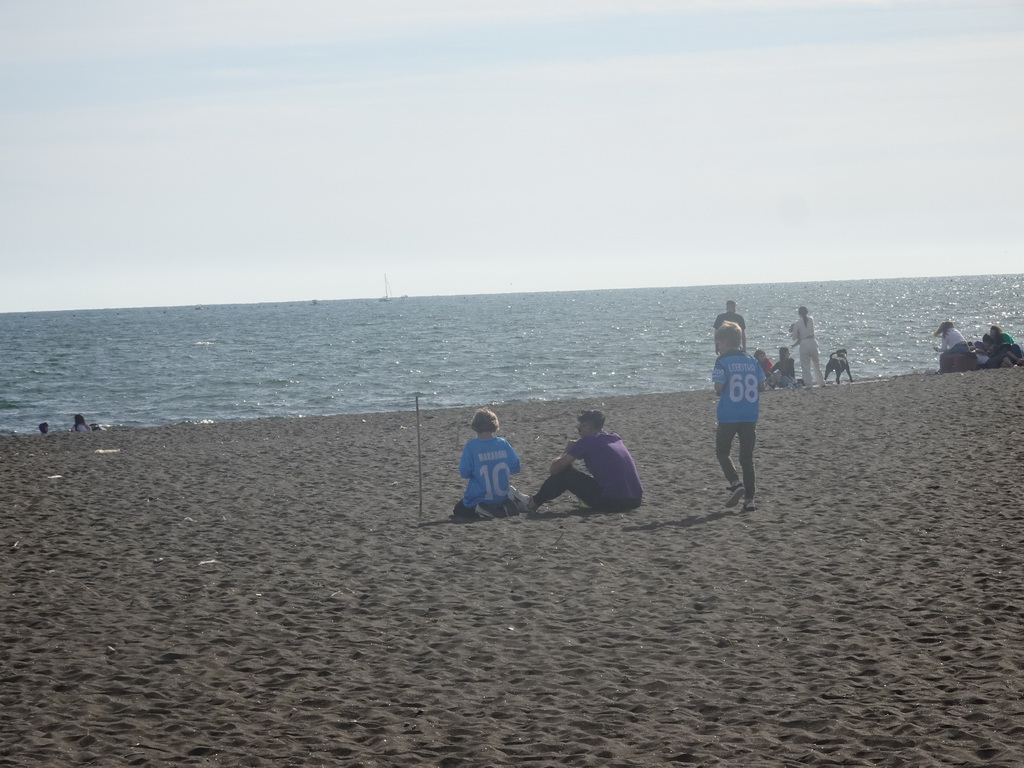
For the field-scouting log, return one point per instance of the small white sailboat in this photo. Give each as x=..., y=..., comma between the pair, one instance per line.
x=387, y=290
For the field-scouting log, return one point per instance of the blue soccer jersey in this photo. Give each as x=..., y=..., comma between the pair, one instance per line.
x=740, y=376
x=489, y=465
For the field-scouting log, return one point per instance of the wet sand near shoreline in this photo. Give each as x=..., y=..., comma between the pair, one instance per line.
x=267, y=593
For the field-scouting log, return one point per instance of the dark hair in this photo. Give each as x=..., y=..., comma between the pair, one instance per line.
x=996, y=331
x=485, y=420
x=783, y=351
x=943, y=328
x=593, y=418
x=79, y=419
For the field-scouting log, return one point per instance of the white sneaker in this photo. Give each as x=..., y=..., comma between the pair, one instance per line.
x=521, y=501
x=735, y=491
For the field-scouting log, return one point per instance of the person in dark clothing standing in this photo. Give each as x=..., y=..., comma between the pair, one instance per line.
x=731, y=316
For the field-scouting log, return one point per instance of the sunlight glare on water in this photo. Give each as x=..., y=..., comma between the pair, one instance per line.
x=148, y=367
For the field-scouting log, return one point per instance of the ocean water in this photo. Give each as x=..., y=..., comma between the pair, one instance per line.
x=166, y=365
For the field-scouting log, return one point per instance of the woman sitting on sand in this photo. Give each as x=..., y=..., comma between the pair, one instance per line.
x=1003, y=351
x=81, y=425
x=953, y=342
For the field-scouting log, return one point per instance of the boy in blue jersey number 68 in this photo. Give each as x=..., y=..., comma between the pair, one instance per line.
x=488, y=462
x=739, y=382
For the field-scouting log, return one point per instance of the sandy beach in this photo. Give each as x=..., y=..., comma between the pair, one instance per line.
x=267, y=593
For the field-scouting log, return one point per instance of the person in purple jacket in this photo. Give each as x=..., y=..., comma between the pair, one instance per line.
x=613, y=484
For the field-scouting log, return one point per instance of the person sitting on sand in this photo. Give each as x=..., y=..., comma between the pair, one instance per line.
x=613, y=484
x=1003, y=350
x=488, y=462
x=764, y=360
x=953, y=342
x=783, y=373
x=81, y=425
x=999, y=336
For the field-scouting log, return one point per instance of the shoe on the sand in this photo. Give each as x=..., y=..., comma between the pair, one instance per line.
x=748, y=505
x=518, y=501
x=735, y=491
x=509, y=508
x=525, y=503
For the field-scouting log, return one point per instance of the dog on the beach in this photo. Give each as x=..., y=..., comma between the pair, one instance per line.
x=837, y=363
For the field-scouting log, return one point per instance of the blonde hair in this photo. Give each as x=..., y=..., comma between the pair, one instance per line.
x=730, y=334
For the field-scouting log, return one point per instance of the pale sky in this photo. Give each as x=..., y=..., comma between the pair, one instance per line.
x=229, y=151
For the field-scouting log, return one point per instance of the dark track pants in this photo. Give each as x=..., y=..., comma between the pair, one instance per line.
x=723, y=445
x=585, y=488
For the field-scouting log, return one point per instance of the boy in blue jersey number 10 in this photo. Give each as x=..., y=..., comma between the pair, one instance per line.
x=488, y=462
x=739, y=382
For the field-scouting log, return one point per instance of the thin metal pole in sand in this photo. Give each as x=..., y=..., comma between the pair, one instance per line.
x=419, y=455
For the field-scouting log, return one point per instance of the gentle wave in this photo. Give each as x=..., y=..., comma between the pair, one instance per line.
x=149, y=367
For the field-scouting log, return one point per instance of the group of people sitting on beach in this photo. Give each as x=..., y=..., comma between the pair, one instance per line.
x=996, y=349
x=780, y=374
x=489, y=461
x=80, y=425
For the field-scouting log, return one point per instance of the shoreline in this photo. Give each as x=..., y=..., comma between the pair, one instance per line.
x=267, y=592
x=496, y=404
